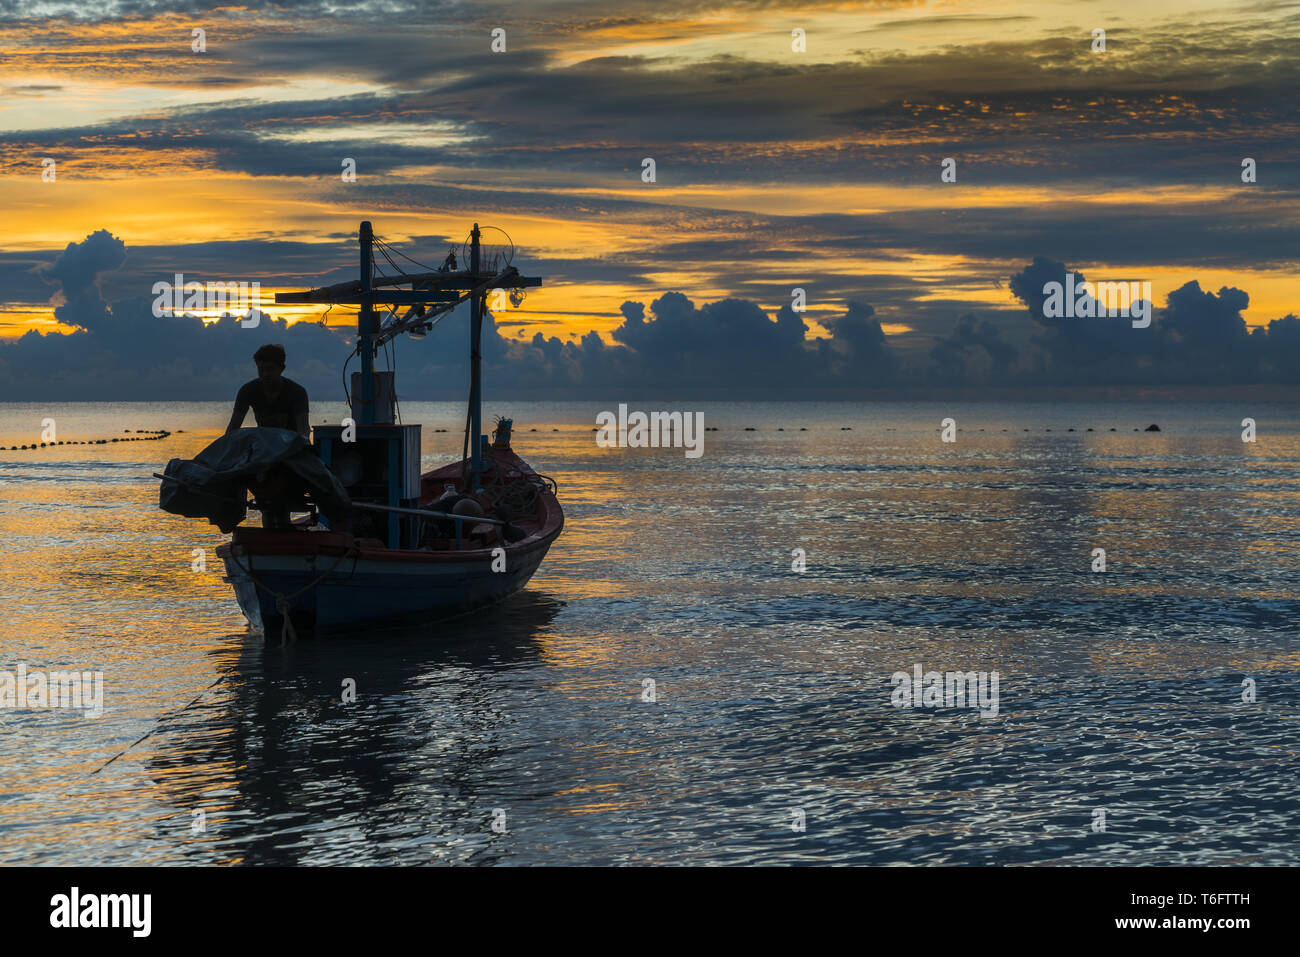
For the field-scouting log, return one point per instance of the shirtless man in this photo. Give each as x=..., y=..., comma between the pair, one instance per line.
x=277, y=402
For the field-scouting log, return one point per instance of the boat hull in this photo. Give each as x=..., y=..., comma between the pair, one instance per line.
x=326, y=581
x=343, y=592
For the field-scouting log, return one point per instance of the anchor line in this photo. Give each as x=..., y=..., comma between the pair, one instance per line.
x=281, y=605
x=154, y=730
x=282, y=600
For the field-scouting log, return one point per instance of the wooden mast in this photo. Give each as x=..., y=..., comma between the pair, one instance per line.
x=365, y=325
x=475, y=368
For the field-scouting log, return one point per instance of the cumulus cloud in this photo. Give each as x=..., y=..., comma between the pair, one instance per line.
x=77, y=271
x=121, y=350
x=1199, y=338
x=974, y=353
x=675, y=347
x=725, y=349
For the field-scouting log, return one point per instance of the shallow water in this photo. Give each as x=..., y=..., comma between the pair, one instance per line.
x=1119, y=690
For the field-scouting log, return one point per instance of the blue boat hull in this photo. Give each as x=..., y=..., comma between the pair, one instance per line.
x=355, y=591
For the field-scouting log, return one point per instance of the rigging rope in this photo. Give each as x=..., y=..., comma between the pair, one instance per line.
x=383, y=251
x=393, y=249
x=347, y=392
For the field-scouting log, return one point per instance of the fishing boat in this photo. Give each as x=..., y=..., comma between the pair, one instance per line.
x=401, y=546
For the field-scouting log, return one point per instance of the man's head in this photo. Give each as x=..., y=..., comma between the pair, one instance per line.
x=270, y=363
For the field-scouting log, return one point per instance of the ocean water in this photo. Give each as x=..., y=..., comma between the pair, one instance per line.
x=773, y=737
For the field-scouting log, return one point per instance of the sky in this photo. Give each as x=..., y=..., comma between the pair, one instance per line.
x=795, y=146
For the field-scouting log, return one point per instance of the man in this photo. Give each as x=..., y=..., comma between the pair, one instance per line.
x=277, y=402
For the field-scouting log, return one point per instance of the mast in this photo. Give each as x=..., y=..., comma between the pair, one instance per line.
x=475, y=368
x=365, y=325
x=436, y=293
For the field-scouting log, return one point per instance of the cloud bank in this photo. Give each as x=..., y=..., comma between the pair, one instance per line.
x=730, y=348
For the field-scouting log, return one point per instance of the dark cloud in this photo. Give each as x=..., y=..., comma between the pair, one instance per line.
x=1179, y=104
x=974, y=353
x=122, y=350
x=77, y=271
x=722, y=349
x=1199, y=338
x=731, y=347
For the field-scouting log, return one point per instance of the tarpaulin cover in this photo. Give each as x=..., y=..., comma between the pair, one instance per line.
x=212, y=485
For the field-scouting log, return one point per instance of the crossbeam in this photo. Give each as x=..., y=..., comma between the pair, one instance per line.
x=396, y=297
x=422, y=317
x=435, y=287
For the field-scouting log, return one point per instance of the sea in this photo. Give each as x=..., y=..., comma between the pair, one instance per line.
x=714, y=664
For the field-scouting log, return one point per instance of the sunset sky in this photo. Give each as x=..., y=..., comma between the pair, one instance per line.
x=775, y=168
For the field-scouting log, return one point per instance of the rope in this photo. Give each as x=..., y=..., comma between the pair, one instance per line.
x=520, y=494
x=347, y=393
x=154, y=730
x=282, y=600
x=384, y=245
x=286, y=634
x=384, y=252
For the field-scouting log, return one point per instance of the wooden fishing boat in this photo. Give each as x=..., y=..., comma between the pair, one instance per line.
x=404, y=554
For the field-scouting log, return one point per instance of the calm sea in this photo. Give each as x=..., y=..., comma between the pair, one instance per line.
x=772, y=737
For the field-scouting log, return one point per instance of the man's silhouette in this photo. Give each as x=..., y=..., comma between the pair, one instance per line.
x=277, y=402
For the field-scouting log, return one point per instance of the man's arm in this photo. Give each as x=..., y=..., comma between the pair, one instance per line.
x=241, y=410
x=301, y=414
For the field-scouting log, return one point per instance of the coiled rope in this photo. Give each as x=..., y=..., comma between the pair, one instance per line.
x=517, y=494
